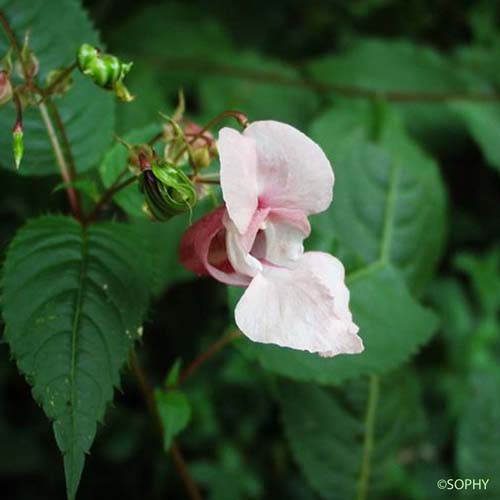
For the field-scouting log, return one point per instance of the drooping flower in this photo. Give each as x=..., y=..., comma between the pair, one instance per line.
x=272, y=178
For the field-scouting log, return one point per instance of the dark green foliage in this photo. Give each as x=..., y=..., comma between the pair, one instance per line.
x=403, y=98
x=74, y=302
x=327, y=431
x=478, y=443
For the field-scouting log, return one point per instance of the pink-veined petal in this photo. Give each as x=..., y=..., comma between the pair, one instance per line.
x=238, y=176
x=292, y=170
x=297, y=308
x=202, y=249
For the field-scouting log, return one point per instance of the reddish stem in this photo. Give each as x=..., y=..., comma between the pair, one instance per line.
x=206, y=355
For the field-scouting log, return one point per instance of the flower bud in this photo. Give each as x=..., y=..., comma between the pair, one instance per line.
x=5, y=88
x=168, y=191
x=105, y=70
x=202, y=145
x=201, y=157
x=17, y=143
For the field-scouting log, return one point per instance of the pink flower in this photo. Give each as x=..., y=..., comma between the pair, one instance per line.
x=272, y=178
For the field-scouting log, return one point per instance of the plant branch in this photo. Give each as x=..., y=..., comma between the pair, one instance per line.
x=65, y=162
x=371, y=410
x=148, y=396
x=206, y=355
x=212, y=67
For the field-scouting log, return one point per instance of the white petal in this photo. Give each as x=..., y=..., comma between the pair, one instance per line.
x=285, y=231
x=238, y=176
x=292, y=170
x=331, y=272
x=238, y=255
x=296, y=308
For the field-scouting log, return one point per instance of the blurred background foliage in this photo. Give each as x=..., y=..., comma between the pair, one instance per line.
x=254, y=434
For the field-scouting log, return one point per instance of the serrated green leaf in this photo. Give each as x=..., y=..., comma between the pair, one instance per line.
x=175, y=412
x=387, y=195
x=86, y=111
x=73, y=304
x=392, y=324
x=478, y=441
x=327, y=431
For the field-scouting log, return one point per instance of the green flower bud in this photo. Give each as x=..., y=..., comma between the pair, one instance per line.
x=17, y=144
x=105, y=70
x=168, y=191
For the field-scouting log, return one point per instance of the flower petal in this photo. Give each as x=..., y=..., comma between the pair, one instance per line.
x=203, y=249
x=297, y=308
x=238, y=176
x=292, y=170
x=239, y=245
x=285, y=230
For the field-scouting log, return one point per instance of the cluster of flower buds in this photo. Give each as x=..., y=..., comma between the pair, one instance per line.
x=168, y=191
x=105, y=70
x=7, y=94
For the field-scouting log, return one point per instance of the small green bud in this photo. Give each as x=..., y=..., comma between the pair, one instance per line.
x=168, y=191
x=17, y=143
x=201, y=157
x=5, y=88
x=105, y=70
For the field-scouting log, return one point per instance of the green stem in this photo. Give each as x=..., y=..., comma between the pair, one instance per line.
x=368, y=445
x=61, y=161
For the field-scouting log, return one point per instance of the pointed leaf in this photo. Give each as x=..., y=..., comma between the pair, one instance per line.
x=73, y=303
